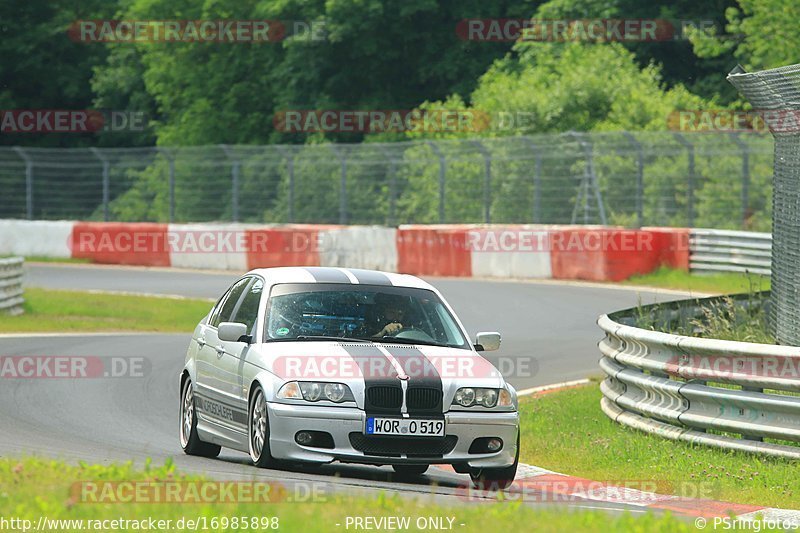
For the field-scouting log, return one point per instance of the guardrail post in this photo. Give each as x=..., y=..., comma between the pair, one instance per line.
x=690, y=178
x=236, y=164
x=442, y=177
x=487, y=181
x=639, y=178
x=28, y=181
x=106, y=181
x=745, y=176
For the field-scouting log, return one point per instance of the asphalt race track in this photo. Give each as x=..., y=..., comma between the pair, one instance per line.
x=549, y=326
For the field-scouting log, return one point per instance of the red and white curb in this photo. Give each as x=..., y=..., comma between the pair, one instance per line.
x=539, y=485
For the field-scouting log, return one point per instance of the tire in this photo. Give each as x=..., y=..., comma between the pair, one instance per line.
x=190, y=441
x=496, y=478
x=409, y=471
x=258, y=430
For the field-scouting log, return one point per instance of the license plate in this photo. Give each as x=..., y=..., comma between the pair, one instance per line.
x=408, y=427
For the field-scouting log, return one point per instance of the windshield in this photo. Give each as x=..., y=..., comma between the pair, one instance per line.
x=305, y=311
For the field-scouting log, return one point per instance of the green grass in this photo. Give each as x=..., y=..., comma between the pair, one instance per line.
x=45, y=259
x=708, y=283
x=53, y=310
x=31, y=487
x=567, y=432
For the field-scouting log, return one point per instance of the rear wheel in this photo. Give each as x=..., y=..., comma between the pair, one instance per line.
x=190, y=441
x=496, y=478
x=406, y=471
x=258, y=430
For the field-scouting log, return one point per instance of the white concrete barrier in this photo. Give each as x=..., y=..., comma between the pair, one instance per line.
x=42, y=238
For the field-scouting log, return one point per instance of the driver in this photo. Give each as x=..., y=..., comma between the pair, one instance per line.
x=391, y=312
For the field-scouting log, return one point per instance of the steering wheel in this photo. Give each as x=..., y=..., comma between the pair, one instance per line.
x=414, y=334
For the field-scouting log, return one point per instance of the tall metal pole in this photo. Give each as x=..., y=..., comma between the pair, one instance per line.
x=235, y=166
x=28, y=181
x=290, y=192
x=171, y=198
x=106, y=181
x=342, y=184
x=690, y=178
x=537, y=182
x=487, y=181
x=639, y=178
x=745, y=176
x=442, y=177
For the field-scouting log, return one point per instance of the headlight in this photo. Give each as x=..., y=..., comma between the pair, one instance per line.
x=314, y=391
x=469, y=396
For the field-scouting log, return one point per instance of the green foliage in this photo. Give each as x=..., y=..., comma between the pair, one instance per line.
x=766, y=34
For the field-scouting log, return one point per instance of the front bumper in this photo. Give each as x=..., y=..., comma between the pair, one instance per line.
x=286, y=420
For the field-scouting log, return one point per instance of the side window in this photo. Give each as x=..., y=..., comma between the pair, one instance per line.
x=248, y=309
x=225, y=310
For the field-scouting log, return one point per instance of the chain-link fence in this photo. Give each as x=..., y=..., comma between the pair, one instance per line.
x=776, y=93
x=717, y=180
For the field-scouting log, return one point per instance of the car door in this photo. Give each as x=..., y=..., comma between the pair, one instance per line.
x=216, y=400
x=232, y=362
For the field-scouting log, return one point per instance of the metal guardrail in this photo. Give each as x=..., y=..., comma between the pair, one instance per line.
x=11, y=285
x=725, y=394
x=730, y=251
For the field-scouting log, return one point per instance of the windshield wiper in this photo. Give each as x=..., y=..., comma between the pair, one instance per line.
x=396, y=340
x=328, y=338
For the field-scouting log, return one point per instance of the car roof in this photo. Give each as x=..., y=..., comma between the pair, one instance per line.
x=345, y=276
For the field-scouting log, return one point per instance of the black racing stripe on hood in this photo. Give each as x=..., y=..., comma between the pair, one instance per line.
x=327, y=275
x=370, y=277
x=380, y=378
x=424, y=392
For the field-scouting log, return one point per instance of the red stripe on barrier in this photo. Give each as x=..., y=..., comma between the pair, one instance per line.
x=285, y=246
x=433, y=251
x=121, y=243
x=612, y=254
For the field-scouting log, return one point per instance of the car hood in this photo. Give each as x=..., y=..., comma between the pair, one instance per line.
x=366, y=364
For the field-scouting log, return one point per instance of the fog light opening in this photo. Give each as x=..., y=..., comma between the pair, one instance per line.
x=486, y=445
x=304, y=438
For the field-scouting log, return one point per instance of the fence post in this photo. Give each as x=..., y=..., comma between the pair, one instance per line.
x=234, y=181
x=171, y=160
x=392, y=184
x=106, y=180
x=537, y=181
x=28, y=181
x=487, y=181
x=690, y=179
x=442, y=177
x=639, y=178
x=745, y=176
x=290, y=193
x=342, y=184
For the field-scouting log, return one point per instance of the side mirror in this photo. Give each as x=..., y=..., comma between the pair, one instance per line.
x=233, y=332
x=487, y=341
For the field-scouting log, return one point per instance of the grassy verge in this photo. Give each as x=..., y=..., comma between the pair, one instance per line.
x=567, y=432
x=709, y=283
x=31, y=488
x=52, y=310
x=45, y=259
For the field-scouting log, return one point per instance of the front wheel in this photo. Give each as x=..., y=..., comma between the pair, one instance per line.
x=258, y=430
x=190, y=441
x=496, y=478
